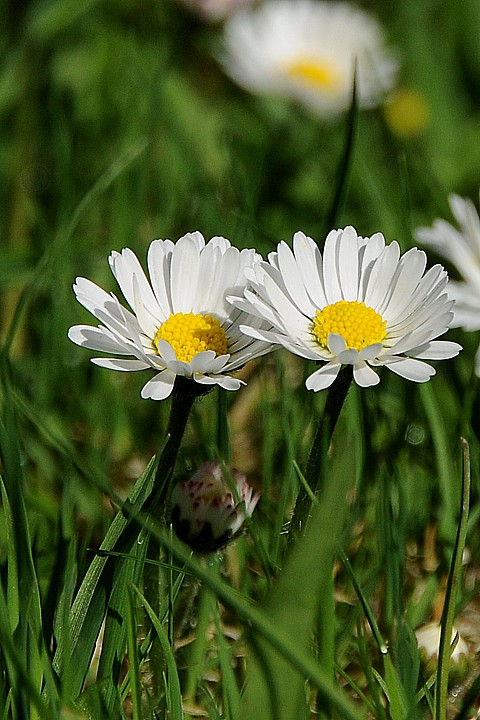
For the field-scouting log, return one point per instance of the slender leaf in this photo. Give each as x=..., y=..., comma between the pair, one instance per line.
x=449, y=609
x=173, y=683
x=92, y=599
x=133, y=657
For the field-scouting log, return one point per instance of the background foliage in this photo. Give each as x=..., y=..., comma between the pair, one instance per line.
x=118, y=126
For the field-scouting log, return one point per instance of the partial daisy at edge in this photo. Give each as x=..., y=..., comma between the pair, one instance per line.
x=214, y=10
x=307, y=50
x=359, y=303
x=178, y=322
x=461, y=247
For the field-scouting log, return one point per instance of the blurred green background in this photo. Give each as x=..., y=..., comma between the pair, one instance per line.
x=117, y=126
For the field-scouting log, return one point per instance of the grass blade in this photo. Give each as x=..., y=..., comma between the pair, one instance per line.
x=449, y=610
x=174, y=695
x=91, y=601
x=133, y=657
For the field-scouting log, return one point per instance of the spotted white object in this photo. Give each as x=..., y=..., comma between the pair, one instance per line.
x=209, y=509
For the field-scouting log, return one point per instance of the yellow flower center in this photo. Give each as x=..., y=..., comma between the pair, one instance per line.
x=190, y=334
x=358, y=324
x=318, y=75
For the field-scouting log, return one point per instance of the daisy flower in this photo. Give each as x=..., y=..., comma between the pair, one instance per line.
x=206, y=512
x=360, y=304
x=428, y=640
x=307, y=50
x=179, y=322
x=462, y=248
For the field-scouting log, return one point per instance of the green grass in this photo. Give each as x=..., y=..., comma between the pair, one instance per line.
x=118, y=126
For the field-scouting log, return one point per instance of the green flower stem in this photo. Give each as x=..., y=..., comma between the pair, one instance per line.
x=183, y=395
x=157, y=504
x=223, y=439
x=318, y=453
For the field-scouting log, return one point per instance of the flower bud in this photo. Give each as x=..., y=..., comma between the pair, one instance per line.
x=208, y=510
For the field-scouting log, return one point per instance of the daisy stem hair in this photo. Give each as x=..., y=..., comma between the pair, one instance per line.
x=318, y=453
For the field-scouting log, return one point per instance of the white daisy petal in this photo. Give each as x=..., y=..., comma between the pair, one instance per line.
x=302, y=350
x=97, y=339
x=336, y=344
x=349, y=357
x=166, y=351
x=252, y=351
x=377, y=308
x=158, y=259
x=148, y=323
x=256, y=307
x=370, y=352
x=184, y=274
x=180, y=368
x=333, y=290
x=412, y=369
x=224, y=381
x=265, y=335
x=348, y=264
x=181, y=322
x=438, y=350
x=292, y=318
x=410, y=271
x=309, y=259
x=125, y=267
x=213, y=278
x=365, y=376
x=368, y=254
x=324, y=377
x=381, y=277
x=208, y=362
x=277, y=338
x=160, y=386
x=120, y=364
x=288, y=267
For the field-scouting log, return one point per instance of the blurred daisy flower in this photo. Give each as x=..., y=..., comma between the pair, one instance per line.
x=179, y=323
x=428, y=640
x=462, y=248
x=360, y=304
x=307, y=50
x=209, y=509
x=214, y=10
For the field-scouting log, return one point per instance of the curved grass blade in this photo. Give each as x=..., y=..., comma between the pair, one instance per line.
x=346, y=160
x=92, y=599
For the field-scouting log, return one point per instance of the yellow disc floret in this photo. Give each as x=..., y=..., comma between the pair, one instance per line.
x=358, y=324
x=313, y=73
x=189, y=334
